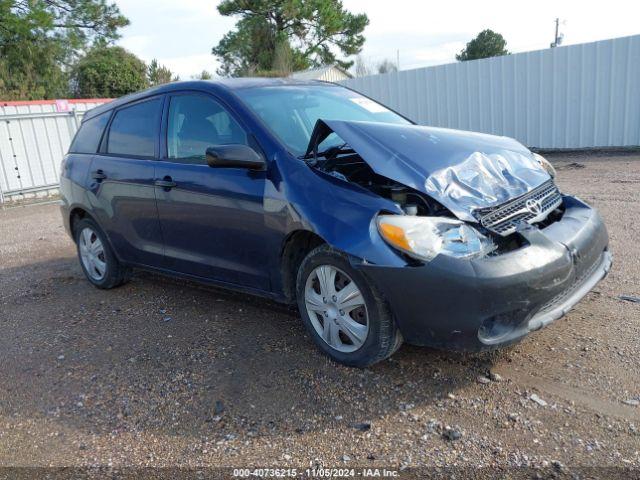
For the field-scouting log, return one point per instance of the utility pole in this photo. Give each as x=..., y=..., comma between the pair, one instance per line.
x=558, y=37
x=398, y=59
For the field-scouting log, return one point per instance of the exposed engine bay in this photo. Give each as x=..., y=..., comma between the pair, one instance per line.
x=347, y=165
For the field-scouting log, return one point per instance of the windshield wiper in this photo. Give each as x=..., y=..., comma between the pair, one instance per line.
x=329, y=153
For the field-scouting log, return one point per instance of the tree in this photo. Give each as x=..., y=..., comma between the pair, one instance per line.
x=204, y=75
x=31, y=72
x=313, y=30
x=387, y=66
x=361, y=67
x=40, y=40
x=283, y=59
x=109, y=72
x=159, y=74
x=487, y=44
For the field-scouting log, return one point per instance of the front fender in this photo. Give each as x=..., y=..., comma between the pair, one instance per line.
x=341, y=213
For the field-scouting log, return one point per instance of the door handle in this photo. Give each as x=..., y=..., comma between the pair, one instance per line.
x=98, y=175
x=167, y=183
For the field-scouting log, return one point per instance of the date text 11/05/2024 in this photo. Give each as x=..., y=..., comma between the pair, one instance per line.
x=315, y=473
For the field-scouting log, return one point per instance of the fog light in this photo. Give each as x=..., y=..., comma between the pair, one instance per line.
x=493, y=329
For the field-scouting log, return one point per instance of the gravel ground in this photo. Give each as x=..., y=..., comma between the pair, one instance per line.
x=165, y=373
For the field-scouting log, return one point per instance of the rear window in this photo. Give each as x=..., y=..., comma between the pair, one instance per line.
x=88, y=136
x=134, y=130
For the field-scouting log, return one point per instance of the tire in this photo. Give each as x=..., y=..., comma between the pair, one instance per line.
x=100, y=266
x=353, y=345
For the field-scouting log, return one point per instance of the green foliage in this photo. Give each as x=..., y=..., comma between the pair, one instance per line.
x=204, y=75
x=487, y=44
x=41, y=39
x=31, y=70
x=269, y=74
x=387, y=66
x=283, y=59
x=287, y=35
x=159, y=74
x=109, y=72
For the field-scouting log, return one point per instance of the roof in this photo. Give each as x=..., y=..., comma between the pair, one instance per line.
x=214, y=86
x=251, y=82
x=317, y=73
x=20, y=103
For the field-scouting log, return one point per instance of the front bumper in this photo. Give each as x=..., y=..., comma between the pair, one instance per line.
x=484, y=303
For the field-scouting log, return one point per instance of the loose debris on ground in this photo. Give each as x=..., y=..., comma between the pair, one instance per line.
x=162, y=372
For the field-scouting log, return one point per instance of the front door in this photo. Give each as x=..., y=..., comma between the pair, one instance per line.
x=212, y=219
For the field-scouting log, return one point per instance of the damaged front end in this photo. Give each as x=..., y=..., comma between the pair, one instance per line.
x=496, y=250
x=467, y=192
x=461, y=171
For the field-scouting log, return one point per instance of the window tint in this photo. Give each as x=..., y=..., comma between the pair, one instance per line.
x=134, y=129
x=196, y=123
x=88, y=136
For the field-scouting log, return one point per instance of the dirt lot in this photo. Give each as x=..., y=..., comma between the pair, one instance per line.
x=162, y=372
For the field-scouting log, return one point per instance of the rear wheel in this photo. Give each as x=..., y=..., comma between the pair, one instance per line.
x=98, y=262
x=345, y=315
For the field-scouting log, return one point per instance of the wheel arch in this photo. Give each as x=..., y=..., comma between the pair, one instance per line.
x=78, y=213
x=75, y=215
x=295, y=248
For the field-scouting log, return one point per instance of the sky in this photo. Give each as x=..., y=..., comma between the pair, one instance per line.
x=181, y=33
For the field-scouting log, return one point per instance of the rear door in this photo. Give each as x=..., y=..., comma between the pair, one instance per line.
x=121, y=185
x=212, y=218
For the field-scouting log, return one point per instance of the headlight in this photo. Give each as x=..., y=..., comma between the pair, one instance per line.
x=425, y=237
x=544, y=163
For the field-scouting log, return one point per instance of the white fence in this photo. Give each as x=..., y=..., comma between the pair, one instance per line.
x=580, y=96
x=34, y=136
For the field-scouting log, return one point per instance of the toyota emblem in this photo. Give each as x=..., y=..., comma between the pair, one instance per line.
x=534, y=206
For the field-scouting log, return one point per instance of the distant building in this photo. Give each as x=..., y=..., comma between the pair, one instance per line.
x=330, y=73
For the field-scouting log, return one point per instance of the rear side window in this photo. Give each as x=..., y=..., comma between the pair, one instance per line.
x=88, y=136
x=134, y=130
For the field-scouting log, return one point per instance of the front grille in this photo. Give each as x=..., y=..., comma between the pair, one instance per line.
x=531, y=207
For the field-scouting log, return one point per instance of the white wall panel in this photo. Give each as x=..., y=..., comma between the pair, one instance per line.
x=34, y=137
x=579, y=96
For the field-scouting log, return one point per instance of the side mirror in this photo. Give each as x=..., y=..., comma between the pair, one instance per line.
x=234, y=156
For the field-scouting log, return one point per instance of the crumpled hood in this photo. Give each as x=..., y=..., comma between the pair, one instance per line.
x=461, y=170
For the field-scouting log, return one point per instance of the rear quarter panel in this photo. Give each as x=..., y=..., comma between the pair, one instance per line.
x=73, y=178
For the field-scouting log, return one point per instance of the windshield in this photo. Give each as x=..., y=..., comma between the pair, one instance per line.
x=291, y=112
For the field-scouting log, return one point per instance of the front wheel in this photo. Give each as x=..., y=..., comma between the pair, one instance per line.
x=345, y=315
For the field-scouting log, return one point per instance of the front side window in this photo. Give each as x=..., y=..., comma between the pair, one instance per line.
x=196, y=123
x=292, y=111
x=88, y=137
x=134, y=130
